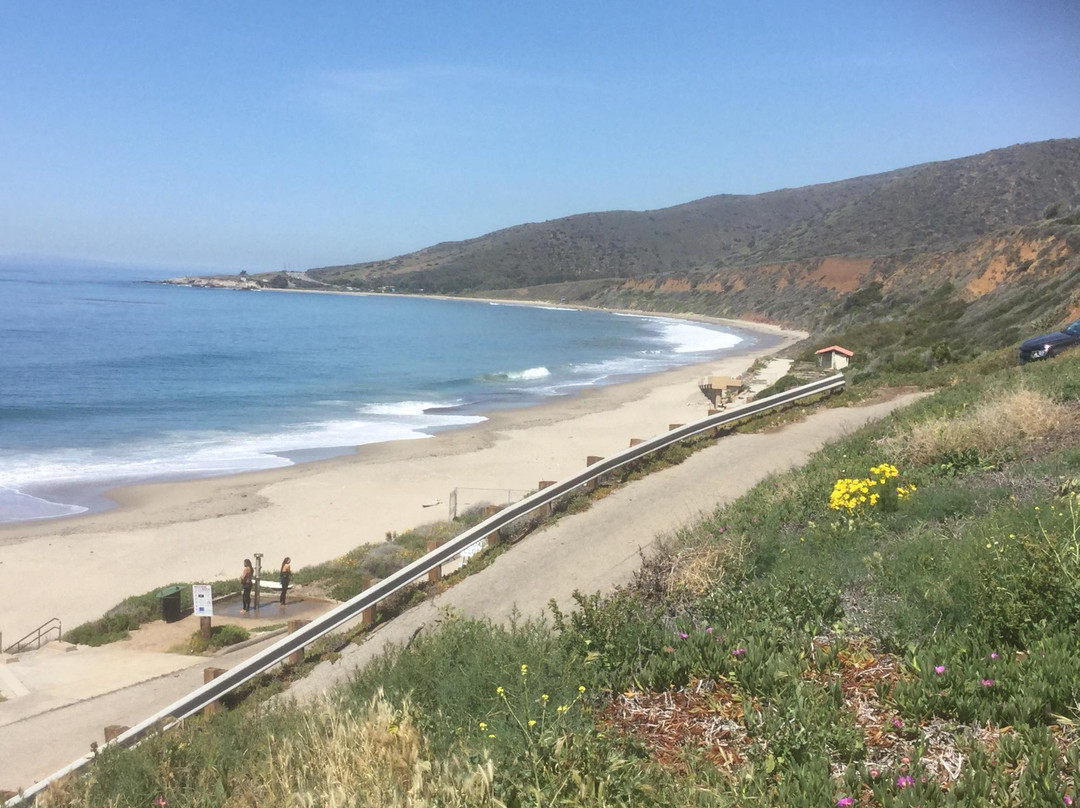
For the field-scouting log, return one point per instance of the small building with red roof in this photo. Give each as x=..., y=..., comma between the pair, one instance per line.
x=834, y=357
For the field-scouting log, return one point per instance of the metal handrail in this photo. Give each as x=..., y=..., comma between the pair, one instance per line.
x=350, y=609
x=38, y=634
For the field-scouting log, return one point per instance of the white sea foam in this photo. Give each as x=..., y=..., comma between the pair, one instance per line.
x=686, y=337
x=405, y=407
x=529, y=375
x=187, y=455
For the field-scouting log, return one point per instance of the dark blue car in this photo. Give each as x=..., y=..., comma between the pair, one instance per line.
x=1050, y=344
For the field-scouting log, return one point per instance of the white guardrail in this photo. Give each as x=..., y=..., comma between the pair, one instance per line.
x=349, y=610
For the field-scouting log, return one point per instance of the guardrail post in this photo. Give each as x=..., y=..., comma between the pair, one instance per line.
x=548, y=507
x=635, y=441
x=674, y=426
x=114, y=731
x=367, y=616
x=209, y=675
x=491, y=510
x=493, y=539
x=206, y=628
x=590, y=486
x=297, y=656
x=435, y=573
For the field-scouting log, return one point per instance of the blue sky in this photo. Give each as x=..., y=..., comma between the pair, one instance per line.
x=266, y=134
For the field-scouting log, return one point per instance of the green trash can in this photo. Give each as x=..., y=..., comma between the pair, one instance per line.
x=170, y=603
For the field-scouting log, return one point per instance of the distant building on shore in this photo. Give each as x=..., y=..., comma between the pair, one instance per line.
x=834, y=357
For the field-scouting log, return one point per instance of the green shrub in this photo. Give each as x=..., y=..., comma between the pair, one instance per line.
x=220, y=637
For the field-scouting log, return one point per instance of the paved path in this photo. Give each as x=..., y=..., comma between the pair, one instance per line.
x=595, y=550
x=600, y=548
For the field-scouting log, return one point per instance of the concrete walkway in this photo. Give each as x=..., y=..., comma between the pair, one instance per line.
x=595, y=550
x=60, y=698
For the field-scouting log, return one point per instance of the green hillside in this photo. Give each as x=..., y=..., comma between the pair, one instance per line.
x=933, y=206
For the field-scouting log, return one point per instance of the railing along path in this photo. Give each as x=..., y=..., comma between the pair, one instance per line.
x=351, y=609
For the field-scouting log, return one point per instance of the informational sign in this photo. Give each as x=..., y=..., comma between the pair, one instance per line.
x=203, y=599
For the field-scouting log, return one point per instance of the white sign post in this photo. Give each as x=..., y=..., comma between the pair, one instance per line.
x=203, y=599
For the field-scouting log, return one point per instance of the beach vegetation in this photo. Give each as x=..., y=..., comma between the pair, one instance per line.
x=132, y=612
x=220, y=637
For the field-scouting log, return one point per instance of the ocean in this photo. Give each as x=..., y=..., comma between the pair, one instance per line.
x=107, y=379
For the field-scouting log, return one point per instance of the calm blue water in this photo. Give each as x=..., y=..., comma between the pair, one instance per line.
x=106, y=379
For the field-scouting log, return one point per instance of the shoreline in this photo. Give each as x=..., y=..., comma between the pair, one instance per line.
x=79, y=566
x=86, y=498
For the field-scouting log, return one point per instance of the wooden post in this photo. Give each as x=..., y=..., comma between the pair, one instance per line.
x=674, y=426
x=114, y=731
x=367, y=617
x=592, y=460
x=545, y=509
x=636, y=441
x=209, y=675
x=435, y=573
x=491, y=510
x=297, y=656
x=712, y=411
x=493, y=538
x=206, y=628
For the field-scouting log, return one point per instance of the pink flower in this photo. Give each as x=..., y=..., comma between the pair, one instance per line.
x=897, y=722
x=845, y=801
x=987, y=682
x=684, y=636
x=739, y=652
x=875, y=773
x=940, y=669
x=994, y=655
x=160, y=801
x=1067, y=799
x=708, y=630
x=905, y=780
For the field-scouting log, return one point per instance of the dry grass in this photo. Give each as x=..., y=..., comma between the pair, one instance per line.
x=377, y=758
x=699, y=568
x=331, y=758
x=1000, y=424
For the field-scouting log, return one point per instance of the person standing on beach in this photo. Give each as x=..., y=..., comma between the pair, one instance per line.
x=246, y=577
x=286, y=577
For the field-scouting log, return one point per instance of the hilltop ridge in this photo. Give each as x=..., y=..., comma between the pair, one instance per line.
x=933, y=206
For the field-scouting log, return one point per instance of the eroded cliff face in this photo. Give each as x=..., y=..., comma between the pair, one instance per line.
x=801, y=292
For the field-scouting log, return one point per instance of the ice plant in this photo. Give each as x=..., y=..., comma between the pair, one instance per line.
x=843, y=802
x=905, y=780
x=940, y=669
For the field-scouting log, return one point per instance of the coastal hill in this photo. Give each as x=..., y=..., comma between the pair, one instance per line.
x=722, y=242
x=944, y=259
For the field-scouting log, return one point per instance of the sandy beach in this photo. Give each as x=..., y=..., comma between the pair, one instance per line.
x=201, y=530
